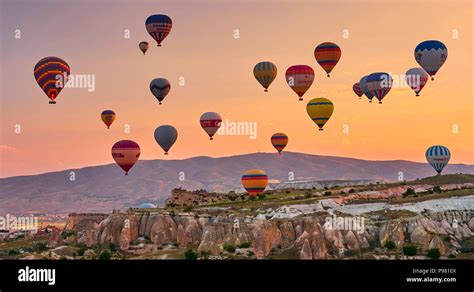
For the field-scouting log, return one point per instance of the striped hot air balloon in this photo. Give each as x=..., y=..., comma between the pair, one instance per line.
x=210, y=122
x=379, y=84
x=265, y=73
x=357, y=90
x=416, y=78
x=320, y=110
x=126, y=153
x=158, y=26
x=52, y=73
x=165, y=136
x=108, y=117
x=254, y=181
x=279, y=141
x=300, y=78
x=438, y=157
x=431, y=55
x=327, y=55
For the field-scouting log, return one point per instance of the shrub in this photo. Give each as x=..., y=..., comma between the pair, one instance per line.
x=250, y=253
x=434, y=253
x=65, y=234
x=105, y=255
x=409, y=250
x=205, y=254
x=342, y=193
x=437, y=189
x=244, y=245
x=81, y=251
x=190, y=255
x=188, y=209
x=261, y=197
x=390, y=245
x=40, y=247
x=112, y=247
x=351, y=191
x=229, y=248
x=409, y=192
x=327, y=193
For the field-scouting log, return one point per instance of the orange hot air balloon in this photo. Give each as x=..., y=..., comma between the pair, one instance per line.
x=279, y=141
x=108, y=117
x=327, y=55
x=254, y=181
x=126, y=153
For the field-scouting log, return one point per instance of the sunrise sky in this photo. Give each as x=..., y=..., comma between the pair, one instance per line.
x=218, y=73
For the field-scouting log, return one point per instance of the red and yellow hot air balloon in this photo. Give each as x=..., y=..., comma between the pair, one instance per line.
x=320, y=110
x=254, y=181
x=300, y=78
x=126, y=153
x=51, y=74
x=327, y=55
x=108, y=117
x=279, y=141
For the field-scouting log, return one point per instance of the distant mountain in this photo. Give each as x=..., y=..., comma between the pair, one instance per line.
x=103, y=188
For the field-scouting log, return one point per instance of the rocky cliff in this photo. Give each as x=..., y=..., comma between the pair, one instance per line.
x=309, y=235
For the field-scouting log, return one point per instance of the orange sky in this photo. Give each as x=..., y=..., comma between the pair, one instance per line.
x=217, y=69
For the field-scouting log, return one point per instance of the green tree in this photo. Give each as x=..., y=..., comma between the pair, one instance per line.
x=190, y=255
x=229, y=248
x=105, y=255
x=409, y=250
x=434, y=253
x=390, y=245
x=409, y=192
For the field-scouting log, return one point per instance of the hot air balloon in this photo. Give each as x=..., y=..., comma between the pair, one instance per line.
x=265, y=73
x=160, y=87
x=210, y=122
x=108, y=117
x=158, y=26
x=365, y=89
x=357, y=90
x=126, y=153
x=300, y=78
x=416, y=79
x=143, y=47
x=254, y=181
x=320, y=110
x=327, y=55
x=431, y=55
x=279, y=141
x=52, y=73
x=438, y=157
x=379, y=84
x=165, y=136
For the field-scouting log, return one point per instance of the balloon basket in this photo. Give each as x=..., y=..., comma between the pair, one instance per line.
x=166, y=153
x=266, y=90
x=211, y=138
x=300, y=99
x=52, y=102
x=329, y=75
x=320, y=129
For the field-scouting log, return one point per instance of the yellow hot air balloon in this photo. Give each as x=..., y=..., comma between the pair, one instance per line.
x=265, y=73
x=320, y=110
x=254, y=181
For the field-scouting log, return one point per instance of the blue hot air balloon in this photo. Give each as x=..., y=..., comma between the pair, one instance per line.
x=365, y=89
x=165, y=136
x=438, y=157
x=379, y=84
x=158, y=26
x=431, y=55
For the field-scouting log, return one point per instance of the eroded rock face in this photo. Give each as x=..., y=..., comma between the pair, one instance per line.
x=308, y=235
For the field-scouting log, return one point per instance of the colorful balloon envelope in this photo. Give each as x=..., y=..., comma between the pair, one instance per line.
x=327, y=55
x=365, y=89
x=265, y=73
x=357, y=90
x=254, y=181
x=160, y=87
x=279, y=141
x=320, y=110
x=416, y=78
x=165, y=136
x=438, y=157
x=108, y=117
x=143, y=47
x=158, y=26
x=51, y=74
x=300, y=78
x=210, y=122
x=379, y=84
x=431, y=55
x=126, y=153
